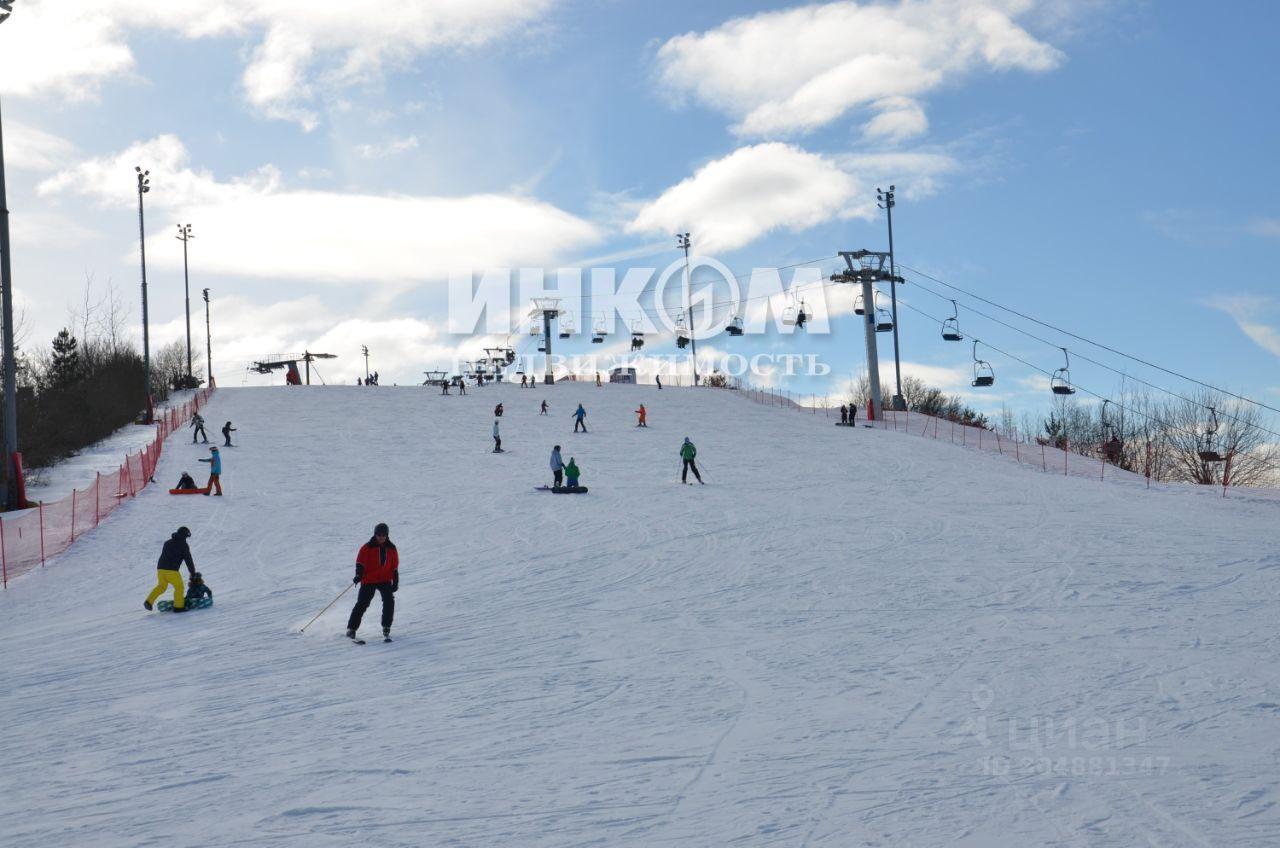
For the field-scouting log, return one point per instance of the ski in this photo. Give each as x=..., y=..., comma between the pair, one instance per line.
x=356, y=639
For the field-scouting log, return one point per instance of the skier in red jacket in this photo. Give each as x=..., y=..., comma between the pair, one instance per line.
x=377, y=572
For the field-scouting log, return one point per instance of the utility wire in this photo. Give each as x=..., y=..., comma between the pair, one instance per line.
x=1107, y=348
x=1081, y=356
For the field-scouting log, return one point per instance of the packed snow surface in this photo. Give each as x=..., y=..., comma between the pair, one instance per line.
x=847, y=637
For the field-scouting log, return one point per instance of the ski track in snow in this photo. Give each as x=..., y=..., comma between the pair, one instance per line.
x=847, y=637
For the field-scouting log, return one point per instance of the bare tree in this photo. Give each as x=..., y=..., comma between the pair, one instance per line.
x=1240, y=433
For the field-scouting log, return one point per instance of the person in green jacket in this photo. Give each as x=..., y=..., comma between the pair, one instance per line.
x=687, y=453
x=572, y=473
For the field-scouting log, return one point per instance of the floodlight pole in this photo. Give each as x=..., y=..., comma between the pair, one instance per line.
x=887, y=203
x=365, y=348
x=143, y=188
x=184, y=236
x=682, y=240
x=10, y=362
x=208, y=340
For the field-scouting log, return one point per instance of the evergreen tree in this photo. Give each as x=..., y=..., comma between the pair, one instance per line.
x=65, y=367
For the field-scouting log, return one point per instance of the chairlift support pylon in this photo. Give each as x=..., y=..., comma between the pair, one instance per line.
x=951, y=326
x=1060, y=382
x=983, y=374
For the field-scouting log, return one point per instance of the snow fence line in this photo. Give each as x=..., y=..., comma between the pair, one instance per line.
x=1092, y=462
x=29, y=538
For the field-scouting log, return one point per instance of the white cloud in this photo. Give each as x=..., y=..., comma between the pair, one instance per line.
x=69, y=47
x=255, y=226
x=390, y=147
x=754, y=190
x=31, y=149
x=792, y=71
x=1244, y=310
x=1266, y=227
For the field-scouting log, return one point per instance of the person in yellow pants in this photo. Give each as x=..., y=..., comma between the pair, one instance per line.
x=173, y=555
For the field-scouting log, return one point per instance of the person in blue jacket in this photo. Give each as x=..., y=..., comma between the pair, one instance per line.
x=215, y=472
x=557, y=466
x=578, y=415
x=197, y=590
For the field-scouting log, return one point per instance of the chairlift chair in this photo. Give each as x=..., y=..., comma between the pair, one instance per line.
x=682, y=332
x=983, y=374
x=884, y=318
x=1060, y=382
x=858, y=307
x=600, y=331
x=566, y=324
x=509, y=355
x=735, y=326
x=1208, y=450
x=951, y=326
x=801, y=316
x=637, y=334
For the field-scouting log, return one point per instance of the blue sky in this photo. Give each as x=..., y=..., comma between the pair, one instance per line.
x=1102, y=164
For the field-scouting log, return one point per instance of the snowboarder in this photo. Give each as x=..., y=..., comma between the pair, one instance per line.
x=844, y=414
x=544, y=408
x=497, y=411
x=197, y=590
x=359, y=382
x=378, y=573
x=658, y=379
x=175, y=552
x=571, y=473
x=579, y=414
x=444, y=387
x=215, y=472
x=524, y=381
x=227, y=430
x=186, y=482
x=687, y=453
x=197, y=427
x=557, y=467
x=462, y=385
x=643, y=413
x=598, y=383
x=497, y=438
x=853, y=414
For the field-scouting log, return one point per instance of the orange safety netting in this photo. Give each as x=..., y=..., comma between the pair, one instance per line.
x=28, y=538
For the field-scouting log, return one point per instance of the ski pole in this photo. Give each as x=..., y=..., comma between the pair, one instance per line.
x=326, y=609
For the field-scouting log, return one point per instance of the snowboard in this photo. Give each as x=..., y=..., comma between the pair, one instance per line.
x=193, y=604
x=562, y=490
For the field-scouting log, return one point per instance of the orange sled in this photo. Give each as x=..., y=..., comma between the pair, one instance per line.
x=203, y=491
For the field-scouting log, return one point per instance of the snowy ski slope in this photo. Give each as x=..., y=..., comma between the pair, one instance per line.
x=848, y=637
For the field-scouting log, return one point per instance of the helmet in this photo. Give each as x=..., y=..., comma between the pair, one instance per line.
x=183, y=533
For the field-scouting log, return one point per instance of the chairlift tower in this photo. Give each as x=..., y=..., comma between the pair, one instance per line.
x=867, y=267
x=550, y=308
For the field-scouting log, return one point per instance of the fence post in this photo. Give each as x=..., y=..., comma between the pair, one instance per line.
x=1148, y=469
x=1044, y=464
x=73, y=513
x=1226, y=472
x=953, y=431
x=1103, y=475
x=998, y=447
x=4, y=560
x=1017, y=451
x=935, y=428
x=980, y=429
x=97, y=499
x=1066, y=449
x=964, y=435
x=42, y=534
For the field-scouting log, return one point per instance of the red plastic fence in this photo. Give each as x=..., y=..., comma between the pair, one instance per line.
x=30, y=537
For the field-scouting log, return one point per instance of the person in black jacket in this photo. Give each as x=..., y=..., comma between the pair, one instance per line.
x=227, y=430
x=175, y=552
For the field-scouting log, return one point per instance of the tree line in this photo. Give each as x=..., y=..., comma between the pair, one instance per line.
x=88, y=382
